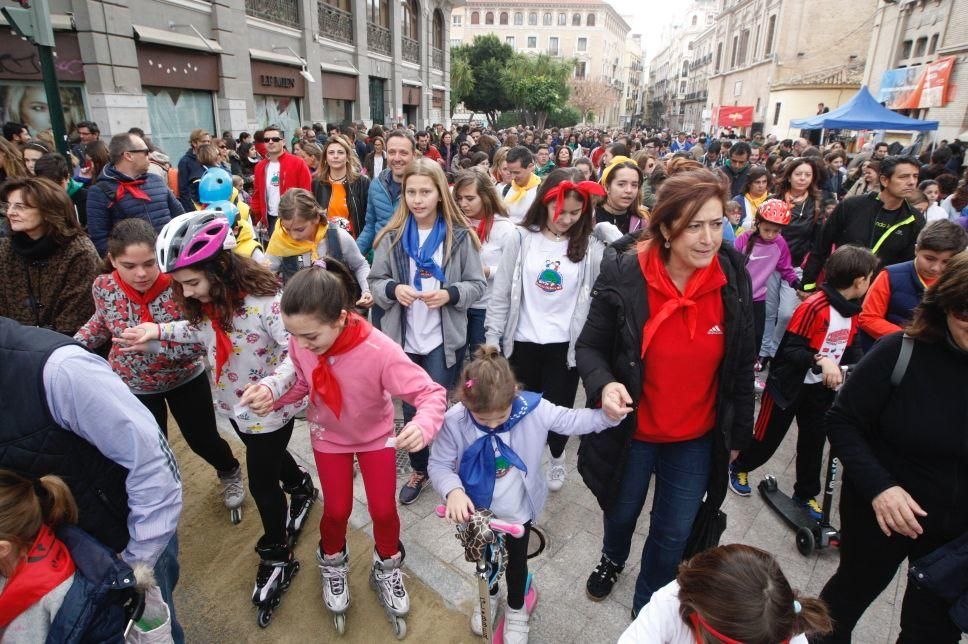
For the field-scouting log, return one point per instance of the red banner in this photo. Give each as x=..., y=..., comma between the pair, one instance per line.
x=734, y=116
x=930, y=90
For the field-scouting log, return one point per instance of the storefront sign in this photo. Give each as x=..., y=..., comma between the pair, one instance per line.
x=273, y=79
x=18, y=58
x=265, y=80
x=177, y=67
x=411, y=95
x=338, y=86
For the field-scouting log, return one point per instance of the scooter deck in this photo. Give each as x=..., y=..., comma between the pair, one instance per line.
x=795, y=515
x=530, y=601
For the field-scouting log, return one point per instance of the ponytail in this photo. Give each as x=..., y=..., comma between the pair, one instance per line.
x=127, y=232
x=751, y=242
x=323, y=290
x=813, y=618
x=487, y=384
x=26, y=505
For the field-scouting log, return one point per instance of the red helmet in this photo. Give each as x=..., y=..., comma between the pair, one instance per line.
x=775, y=211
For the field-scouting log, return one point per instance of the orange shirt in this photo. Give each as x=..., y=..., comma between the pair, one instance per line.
x=337, y=211
x=873, y=316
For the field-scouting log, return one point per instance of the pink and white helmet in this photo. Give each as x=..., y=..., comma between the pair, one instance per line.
x=191, y=238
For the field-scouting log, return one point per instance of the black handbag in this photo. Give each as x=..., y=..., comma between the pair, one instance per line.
x=707, y=529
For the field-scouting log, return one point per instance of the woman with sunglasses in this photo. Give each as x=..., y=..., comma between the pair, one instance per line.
x=902, y=437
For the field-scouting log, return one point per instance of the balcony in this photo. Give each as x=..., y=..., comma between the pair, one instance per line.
x=283, y=12
x=378, y=39
x=411, y=50
x=437, y=58
x=335, y=23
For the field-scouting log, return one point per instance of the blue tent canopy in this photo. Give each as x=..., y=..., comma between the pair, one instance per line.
x=862, y=112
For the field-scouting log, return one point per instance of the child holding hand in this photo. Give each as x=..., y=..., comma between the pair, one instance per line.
x=488, y=455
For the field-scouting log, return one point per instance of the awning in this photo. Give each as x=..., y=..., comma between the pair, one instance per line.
x=273, y=57
x=175, y=39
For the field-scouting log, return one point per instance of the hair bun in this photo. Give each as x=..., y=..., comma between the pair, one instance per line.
x=486, y=352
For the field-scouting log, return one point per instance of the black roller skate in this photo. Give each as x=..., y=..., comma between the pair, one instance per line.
x=301, y=498
x=277, y=567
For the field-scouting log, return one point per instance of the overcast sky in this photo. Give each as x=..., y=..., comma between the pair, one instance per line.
x=649, y=17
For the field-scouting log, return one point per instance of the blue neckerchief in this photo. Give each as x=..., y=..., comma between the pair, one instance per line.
x=477, y=464
x=423, y=256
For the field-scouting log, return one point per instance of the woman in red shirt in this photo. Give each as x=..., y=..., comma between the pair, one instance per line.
x=670, y=335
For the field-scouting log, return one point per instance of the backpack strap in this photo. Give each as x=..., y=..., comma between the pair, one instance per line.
x=903, y=359
x=506, y=190
x=333, y=247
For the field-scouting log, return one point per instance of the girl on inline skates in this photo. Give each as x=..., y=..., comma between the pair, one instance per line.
x=488, y=455
x=350, y=371
x=231, y=306
x=132, y=290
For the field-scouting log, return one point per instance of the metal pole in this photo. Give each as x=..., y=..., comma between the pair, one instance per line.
x=54, y=107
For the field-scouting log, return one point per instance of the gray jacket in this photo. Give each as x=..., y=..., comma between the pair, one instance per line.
x=527, y=439
x=465, y=282
x=504, y=307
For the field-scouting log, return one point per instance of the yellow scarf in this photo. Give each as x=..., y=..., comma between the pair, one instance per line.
x=517, y=192
x=245, y=243
x=756, y=203
x=281, y=244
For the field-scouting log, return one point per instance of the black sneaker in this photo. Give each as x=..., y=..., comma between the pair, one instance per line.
x=602, y=579
x=413, y=488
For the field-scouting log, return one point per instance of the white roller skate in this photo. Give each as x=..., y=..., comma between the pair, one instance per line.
x=277, y=567
x=386, y=578
x=301, y=498
x=233, y=493
x=333, y=572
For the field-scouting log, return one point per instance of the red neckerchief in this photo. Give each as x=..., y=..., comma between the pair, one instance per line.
x=585, y=188
x=223, y=345
x=656, y=276
x=699, y=625
x=357, y=330
x=131, y=188
x=47, y=565
x=143, y=300
x=484, y=228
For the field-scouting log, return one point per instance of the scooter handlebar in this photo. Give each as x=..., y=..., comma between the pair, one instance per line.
x=516, y=530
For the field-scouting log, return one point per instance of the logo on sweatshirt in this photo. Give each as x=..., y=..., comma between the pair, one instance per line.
x=549, y=280
x=715, y=330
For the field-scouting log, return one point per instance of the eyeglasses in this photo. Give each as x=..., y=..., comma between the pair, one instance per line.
x=140, y=151
x=273, y=139
x=14, y=207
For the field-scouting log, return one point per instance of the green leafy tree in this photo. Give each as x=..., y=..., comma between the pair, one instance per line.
x=482, y=89
x=461, y=78
x=537, y=85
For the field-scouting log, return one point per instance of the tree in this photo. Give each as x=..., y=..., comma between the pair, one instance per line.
x=483, y=89
x=592, y=96
x=461, y=79
x=537, y=85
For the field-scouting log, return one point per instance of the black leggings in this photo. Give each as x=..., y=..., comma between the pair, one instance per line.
x=543, y=369
x=191, y=405
x=267, y=463
x=516, y=573
x=759, y=321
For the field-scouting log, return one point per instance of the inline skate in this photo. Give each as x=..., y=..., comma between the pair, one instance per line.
x=233, y=493
x=386, y=578
x=277, y=567
x=301, y=497
x=334, y=572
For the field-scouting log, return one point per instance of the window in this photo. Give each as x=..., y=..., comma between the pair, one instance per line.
x=582, y=44
x=590, y=20
x=576, y=20
x=695, y=20
x=934, y=45
x=411, y=19
x=735, y=50
x=685, y=68
x=532, y=42
x=682, y=88
x=757, y=104
x=475, y=18
x=737, y=88
x=553, y=45
x=504, y=18
x=456, y=20
x=455, y=42
x=770, y=32
x=546, y=20
x=489, y=18
x=518, y=19
x=776, y=114
x=719, y=57
x=689, y=45
x=532, y=18
x=920, y=46
x=378, y=12
x=744, y=43
x=906, y=49
x=756, y=44
x=509, y=40
x=580, y=71
x=562, y=19
x=438, y=36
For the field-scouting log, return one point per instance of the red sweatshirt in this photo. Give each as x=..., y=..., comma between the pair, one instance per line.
x=293, y=173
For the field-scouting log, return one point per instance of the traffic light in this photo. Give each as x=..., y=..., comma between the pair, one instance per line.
x=32, y=21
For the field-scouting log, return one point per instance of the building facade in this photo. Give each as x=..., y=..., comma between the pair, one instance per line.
x=170, y=66
x=631, y=109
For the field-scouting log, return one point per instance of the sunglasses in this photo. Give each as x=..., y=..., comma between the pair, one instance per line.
x=960, y=315
x=140, y=151
x=273, y=139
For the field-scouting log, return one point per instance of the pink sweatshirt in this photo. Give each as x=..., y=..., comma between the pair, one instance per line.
x=369, y=376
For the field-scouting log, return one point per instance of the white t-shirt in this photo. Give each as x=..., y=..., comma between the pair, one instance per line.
x=518, y=209
x=424, y=332
x=834, y=344
x=935, y=213
x=510, y=499
x=550, y=292
x=272, y=188
x=377, y=165
x=491, y=251
x=659, y=622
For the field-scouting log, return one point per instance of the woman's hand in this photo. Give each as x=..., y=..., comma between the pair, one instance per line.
x=896, y=511
x=258, y=398
x=616, y=401
x=136, y=338
x=436, y=299
x=411, y=438
x=459, y=506
x=366, y=301
x=406, y=294
x=832, y=376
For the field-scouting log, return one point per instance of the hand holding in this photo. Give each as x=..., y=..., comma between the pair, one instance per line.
x=616, y=401
x=258, y=398
x=406, y=294
x=436, y=299
x=459, y=506
x=411, y=438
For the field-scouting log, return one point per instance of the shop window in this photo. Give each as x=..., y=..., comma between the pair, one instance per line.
x=174, y=113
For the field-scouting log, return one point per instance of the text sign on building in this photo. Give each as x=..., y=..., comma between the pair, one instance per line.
x=265, y=80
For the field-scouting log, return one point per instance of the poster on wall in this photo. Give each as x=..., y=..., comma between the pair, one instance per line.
x=911, y=88
x=277, y=110
x=26, y=102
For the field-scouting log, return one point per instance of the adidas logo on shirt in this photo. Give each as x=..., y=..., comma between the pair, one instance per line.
x=715, y=330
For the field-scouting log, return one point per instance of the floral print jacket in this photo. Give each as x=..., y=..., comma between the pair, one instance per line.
x=260, y=344
x=144, y=373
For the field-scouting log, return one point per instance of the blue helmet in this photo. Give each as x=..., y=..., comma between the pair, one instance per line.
x=225, y=208
x=215, y=185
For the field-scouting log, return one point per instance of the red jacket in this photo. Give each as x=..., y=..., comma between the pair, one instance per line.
x=432, y=153
x=293, y=173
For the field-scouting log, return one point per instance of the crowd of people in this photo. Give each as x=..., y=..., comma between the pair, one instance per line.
x=479, y=277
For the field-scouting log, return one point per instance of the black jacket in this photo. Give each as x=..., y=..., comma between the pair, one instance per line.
x=609, y=349
x=802, y=231
x=861, y=220
x=737, y=179
x=356, y=195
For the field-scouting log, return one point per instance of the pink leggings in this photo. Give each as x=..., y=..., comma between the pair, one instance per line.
x=379, y=470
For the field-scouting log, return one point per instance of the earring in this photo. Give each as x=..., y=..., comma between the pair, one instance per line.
x=667, y=244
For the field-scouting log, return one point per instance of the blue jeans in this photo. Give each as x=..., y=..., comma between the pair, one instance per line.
x=681, y=474
x=435, y=364
x=166, y=574
x=475, y=329
x=781, y=302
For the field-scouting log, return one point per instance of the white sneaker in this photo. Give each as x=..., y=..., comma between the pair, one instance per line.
x=556, y=473
x=516, y=626
x=476, y=626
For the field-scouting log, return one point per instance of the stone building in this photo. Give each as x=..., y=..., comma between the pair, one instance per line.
x=631, y=109
x=169, y=66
